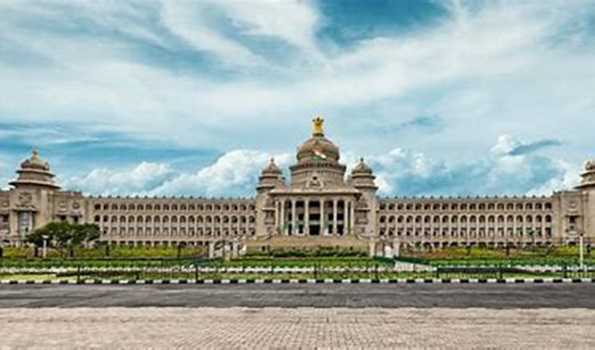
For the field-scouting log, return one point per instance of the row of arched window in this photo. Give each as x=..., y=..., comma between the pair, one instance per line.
x=472, y=233
x=529, y=206
x=174, y=219
x=437, y=219
x=174, y=207
x=174, y=232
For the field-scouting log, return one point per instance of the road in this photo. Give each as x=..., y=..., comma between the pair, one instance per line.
x=493, y=296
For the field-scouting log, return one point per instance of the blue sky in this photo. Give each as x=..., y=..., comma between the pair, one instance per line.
x=442, y=97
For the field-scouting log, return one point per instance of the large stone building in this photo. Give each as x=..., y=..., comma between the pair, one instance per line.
x=320, y=205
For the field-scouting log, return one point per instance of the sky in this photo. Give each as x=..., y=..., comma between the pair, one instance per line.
x=191, y=98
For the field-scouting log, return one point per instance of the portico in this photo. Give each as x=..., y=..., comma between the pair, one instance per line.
x=320, y=214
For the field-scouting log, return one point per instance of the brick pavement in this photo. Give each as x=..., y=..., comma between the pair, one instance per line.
x=275, y=328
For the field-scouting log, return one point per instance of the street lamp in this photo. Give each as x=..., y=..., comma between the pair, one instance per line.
x=45, y=245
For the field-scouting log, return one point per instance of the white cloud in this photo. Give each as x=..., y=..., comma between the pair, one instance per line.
x=404, y=172
x=399, y=172
x=189, y=21
x=293, y=21
x=235, y=172
x=489, y=69
x=143, y=177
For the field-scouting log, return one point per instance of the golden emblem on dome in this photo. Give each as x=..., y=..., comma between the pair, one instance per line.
x=318, y=126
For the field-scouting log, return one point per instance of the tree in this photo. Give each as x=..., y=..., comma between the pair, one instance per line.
x=64, y=235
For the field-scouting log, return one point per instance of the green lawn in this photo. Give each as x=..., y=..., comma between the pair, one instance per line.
x=565, y=255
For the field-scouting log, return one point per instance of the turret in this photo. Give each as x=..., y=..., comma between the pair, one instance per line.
x=35, y=173
x=362, y=177
x=588, y=176
x=270, y=177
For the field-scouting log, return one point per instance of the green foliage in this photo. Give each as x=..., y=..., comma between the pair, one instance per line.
x=17, y=252
x=64, y=235
x=561, y=255
x=310, y=252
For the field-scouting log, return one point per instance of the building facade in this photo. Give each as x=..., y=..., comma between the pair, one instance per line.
x=319, y=205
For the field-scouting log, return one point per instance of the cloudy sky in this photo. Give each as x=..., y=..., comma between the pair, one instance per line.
x=442, y=97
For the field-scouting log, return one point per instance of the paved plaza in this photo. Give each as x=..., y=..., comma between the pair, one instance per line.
x=277, y=328
x=528, y=316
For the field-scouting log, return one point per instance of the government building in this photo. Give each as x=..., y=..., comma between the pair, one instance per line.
x=320, y=205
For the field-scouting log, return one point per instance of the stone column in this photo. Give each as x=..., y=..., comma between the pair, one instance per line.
x=352, y=217
x=334, y=216
x=293, y=218
x=307, y=216
x=345, y=217
x=281, y=222
x=278, y=216
x=235, y=250
x=322, y=220
x=396, y=248
x=372, y=249
x=211, y=249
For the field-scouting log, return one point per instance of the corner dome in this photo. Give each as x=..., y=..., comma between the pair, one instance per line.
x=362, y=168
x=35, y=162
x=34, y=171
x=271, y=168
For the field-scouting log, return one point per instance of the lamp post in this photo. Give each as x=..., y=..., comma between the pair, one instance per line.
x=45, y=245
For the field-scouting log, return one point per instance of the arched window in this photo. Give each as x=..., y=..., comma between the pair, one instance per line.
x=548, y=206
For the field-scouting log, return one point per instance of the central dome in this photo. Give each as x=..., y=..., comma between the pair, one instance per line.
x=318, y=147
